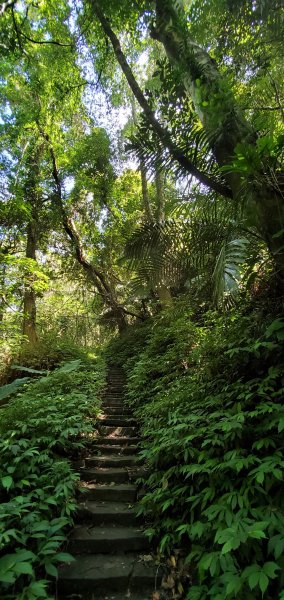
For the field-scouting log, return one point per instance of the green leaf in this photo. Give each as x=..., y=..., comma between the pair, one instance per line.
x=11, y=388
x=23, y=568
x=263, y=582
x=64, y=557
x=28, y=370
x=254, y=578
x=50, y=569
x=269, y=569
x=70, y=366
x=7, y=482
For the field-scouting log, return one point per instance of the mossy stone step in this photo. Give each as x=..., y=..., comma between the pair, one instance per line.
x=114, y=410
x=114, y=402
x=118, y=513
x=115, y=449
x=123, y=440
x=120, y=573
x=117, y=431
x=109, y=475
x=104, y=539
x=111, y=460
x=117, y=420
x=126, y=492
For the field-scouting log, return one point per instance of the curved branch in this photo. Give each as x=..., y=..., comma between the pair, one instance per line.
x=46, y=41
x=162, y=133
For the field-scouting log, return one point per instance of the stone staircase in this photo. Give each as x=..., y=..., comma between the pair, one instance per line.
x=113, y=559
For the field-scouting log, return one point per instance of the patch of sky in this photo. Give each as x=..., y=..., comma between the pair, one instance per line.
x=68, y=184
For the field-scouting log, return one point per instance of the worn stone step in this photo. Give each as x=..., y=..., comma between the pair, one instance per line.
x=115, y=513
x=116, y=410
x=120, y=572
x=92, y=540
x=113, y=448
x=111, y=461
x=113, y=431
x=124, y=440
x=117, y=386
x=126, y=492
x=109, y=475
x=114, y=402
x=117, y=421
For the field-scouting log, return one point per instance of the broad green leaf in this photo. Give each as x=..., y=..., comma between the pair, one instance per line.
x=7, y=482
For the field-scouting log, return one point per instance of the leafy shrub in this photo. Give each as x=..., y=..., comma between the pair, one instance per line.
x=41, y=429
x=46, y=354
x=210, y=397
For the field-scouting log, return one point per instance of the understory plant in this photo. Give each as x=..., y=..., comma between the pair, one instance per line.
x=41, y=430
x=209, y=393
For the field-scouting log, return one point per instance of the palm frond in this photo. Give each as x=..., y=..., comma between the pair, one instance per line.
x=227, y=272
x=208, y=247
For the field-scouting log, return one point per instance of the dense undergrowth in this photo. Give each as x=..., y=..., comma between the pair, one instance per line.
x=210, y=398
x=42, y=429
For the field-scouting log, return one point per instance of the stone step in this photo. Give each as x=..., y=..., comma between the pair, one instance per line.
x=109, y=475
x=98, y=574
x=118, y=450
x=116, y=410
x=118, y=388
x=116, y=385
x=101, y=540
x=111, y=460
x=124, y=440
x=116, y=402
x=126, y=492
x=117, y=421
x=117, y=432
x=98, y=513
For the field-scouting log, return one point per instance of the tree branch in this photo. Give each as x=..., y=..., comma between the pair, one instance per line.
x=95, y=275
x=162, y=133
x=46, y=41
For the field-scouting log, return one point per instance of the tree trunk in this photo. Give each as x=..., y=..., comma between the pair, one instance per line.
x=159, y=182
x=223, y=121
x=29, y=316
x=143, y=172
x=145, y=195
x=164, y=295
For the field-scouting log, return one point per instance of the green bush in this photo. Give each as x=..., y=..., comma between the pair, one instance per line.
x=210, y=397
x=41, y=430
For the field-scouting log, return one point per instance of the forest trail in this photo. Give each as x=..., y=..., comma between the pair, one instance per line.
x=107, y=540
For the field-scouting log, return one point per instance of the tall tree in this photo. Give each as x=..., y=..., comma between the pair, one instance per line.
x=231, y=137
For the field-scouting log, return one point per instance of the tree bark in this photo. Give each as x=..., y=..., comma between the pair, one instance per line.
x=223, y=121
x=145, y=195
x=164, y=295
x=29, y=309
x=159, y=182
x=143, y=172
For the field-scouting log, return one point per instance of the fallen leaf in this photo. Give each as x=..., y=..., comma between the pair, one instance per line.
x=156, y=596
x=168, y=583
x=173, y=561
x=180, y=588
x=146, y=557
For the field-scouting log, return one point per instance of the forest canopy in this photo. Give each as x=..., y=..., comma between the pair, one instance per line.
x=142, y=228
x=141, y=157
